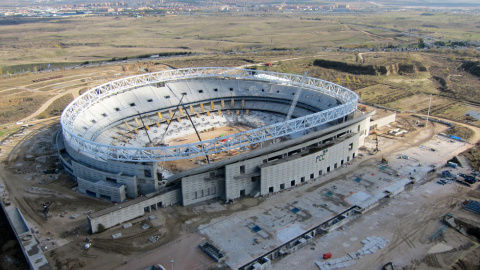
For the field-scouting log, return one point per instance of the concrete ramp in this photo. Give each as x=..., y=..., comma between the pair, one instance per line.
x=463, y=162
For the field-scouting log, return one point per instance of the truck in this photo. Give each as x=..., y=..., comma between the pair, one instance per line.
x=452, y=164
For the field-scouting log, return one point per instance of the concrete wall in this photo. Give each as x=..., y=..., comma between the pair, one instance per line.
x=263, y=264
x=242, y=178
x=380, y=122
x=296, y=170
x=95, y=175
x=294, y=165
x=251, y=176
x=102, y=189
x=139, y=178
x=204, y=186
x=120, y=213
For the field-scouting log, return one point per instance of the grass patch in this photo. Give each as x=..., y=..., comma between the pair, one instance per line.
x=56, y=108
x=76, y=40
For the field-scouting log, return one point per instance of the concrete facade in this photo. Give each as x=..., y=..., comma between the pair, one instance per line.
x=100, y=178
x=257, y=173
x=118, y=214
x=102, y=189
x=201, y=187
x=379, y=122
x=273, y=171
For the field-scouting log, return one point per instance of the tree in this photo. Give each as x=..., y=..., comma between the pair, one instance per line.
x=421, y=43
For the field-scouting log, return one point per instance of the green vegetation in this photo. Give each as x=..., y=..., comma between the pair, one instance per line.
x=5, y=131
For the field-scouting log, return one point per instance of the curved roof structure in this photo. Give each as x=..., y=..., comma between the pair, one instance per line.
x=103, y=106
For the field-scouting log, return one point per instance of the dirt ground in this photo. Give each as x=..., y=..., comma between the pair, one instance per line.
x=27, y=154
x=175, y=226
x=24, y=158
x=45, y=94
x=183, y=165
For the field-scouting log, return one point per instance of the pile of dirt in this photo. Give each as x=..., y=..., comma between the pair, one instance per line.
x=473, y=156
x=472, y=67
x=70, y=264
x=464, y=265
x=460, y=131
x=363, y=69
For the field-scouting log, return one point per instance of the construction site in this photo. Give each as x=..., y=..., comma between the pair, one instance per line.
x=407, y=200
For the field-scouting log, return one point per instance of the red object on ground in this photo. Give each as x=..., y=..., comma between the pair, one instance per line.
x=327, y=255
x=268, y=64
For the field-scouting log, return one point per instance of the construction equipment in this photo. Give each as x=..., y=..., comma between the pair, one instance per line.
x=46, y=208
x=384, y=160
x=296, y=97
x=376, y=142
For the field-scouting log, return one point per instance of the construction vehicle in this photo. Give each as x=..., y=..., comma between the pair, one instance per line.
x=327, y=255
x=384, y=160
x=46, y=208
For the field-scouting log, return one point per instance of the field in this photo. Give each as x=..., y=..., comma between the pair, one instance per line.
x=404, y=91
x=292, y=41
x=34, y=43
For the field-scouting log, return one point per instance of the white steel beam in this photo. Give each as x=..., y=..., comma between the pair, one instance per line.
x=347, y=97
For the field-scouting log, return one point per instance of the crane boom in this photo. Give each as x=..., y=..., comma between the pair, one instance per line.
x=296, y=97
